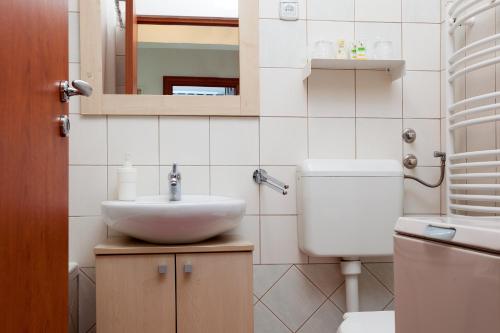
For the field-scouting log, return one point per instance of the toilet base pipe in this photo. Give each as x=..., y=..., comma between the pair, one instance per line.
x=351, y=270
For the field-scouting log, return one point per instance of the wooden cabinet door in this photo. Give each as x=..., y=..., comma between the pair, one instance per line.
x=133, y=295
x=216, y=296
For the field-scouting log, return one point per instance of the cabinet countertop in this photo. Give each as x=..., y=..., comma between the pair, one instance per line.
x=127, y=245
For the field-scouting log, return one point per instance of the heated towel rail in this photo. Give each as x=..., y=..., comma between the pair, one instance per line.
x=473, y=174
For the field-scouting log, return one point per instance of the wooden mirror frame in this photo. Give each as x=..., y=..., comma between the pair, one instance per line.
x=91, y=70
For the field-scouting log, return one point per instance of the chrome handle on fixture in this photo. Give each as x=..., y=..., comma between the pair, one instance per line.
x=260, y=176
x=64, y=126
x=188, y=268
x=409, y=135
x=162, y=269
x=79, y=87
x=440, y=233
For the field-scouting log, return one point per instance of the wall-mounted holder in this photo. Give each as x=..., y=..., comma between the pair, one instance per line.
x=260, y=176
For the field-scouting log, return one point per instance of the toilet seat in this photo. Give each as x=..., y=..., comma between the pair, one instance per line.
x=368, y=322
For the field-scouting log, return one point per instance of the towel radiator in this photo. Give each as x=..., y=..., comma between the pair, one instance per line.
x=473, y=187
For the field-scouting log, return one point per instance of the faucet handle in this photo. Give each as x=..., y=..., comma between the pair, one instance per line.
x=174, y=174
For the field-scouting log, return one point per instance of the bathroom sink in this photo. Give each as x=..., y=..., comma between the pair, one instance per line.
x=155, y=219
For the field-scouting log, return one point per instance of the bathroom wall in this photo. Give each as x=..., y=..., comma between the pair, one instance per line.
x=334, y=114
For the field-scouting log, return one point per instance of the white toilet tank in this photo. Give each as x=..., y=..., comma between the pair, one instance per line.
x=348, y=208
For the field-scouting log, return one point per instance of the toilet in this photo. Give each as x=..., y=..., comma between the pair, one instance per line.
x=348, y=209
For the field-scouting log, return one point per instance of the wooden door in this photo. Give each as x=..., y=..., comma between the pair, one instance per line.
x=133, y=295
x=33, y=167
x=216, y=296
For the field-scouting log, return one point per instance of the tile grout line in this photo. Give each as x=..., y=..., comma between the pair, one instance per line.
x=312, y=314
x=378, y=280
x=310, y=280
x=274, y=314
x=278, y=280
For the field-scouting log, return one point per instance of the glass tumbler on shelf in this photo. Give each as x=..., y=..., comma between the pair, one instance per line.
x=324, y=49
x=383, y=49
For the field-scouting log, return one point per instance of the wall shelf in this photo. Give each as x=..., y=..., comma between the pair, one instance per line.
x=395, y=68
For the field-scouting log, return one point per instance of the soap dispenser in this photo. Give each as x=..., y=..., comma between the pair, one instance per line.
x=127, y=180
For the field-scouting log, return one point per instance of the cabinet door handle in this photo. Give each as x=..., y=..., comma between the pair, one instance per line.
x=162, y=269
x=188, y=268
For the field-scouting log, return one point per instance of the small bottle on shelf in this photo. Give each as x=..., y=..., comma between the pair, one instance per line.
x=341, y=49
x=361, y=51
x=354, y=51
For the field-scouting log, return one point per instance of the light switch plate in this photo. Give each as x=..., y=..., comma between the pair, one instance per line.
x=289, y=10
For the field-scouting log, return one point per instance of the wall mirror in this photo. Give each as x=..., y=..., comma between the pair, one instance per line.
x=170, y=57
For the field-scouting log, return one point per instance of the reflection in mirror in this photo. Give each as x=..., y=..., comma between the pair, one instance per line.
x=172, y=47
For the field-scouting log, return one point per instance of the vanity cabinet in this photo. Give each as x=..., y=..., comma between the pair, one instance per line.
x=196, y=288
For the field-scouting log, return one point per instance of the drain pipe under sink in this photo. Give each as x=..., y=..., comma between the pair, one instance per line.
x=351, y=268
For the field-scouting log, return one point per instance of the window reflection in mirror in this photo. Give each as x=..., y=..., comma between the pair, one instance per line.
x=172, y=47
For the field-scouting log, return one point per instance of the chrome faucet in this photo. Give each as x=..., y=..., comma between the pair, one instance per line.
x=174, y=184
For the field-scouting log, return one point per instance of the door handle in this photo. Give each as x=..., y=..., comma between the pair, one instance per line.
x=79, y=87
x=64, y=126
x=188, y=268
x=440, y=233
x=162, y=269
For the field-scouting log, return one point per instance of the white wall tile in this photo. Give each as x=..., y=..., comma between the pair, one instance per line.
x=84, y=234
x=279, y=242
x=444, y=102
x=74, y=37
x=329, y=31
x=147, y=181
x=237, y=182
x=332, y=138
x=249, y=229
x=270, y=9
x=283, y=92
x=137, y=135
x=421, y=94
x=338, y=10
x=271, y=201
x=87, y=189
x=283, y=141
x=428, y=11
x=195, y=179
x=331, y=93
x=85, y=148
x=421, y=46
x=378, y=138
x=370, y=32
x=380, y=10
x=184, y=140
x=234, y=141
x=419, y=199
x=282, y=43
x=428, y=140
x=377, y=96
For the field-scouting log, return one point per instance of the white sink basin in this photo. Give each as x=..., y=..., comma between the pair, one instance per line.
x=157, y=220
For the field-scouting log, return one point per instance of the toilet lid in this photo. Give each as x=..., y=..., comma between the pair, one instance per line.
x=368, y=322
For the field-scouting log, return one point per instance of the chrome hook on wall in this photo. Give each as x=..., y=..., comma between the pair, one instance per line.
x=260, y=176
